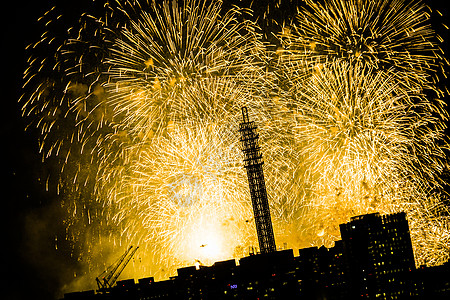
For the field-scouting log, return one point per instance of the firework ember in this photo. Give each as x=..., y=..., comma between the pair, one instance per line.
x=139, y=107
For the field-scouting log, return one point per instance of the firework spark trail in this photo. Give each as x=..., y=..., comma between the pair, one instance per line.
x=341, y=104
x=141, y=106
x=183, y=189
x=155, y=87
x=156, y=58
x=164, y=73
x=188, y=177
x=357, y=140
x=64, y=99
x=383, y=34
x=368, y=137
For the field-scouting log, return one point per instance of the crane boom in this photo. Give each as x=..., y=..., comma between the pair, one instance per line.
x=108, y=278
x=124, y=264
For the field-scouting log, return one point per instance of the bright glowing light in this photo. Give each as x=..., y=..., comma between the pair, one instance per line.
x=382, y=34
x=139, y=110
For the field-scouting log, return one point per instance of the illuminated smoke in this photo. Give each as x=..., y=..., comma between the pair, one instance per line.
x=138, y=110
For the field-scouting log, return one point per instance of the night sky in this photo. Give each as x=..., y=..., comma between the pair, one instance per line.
x=33, y=216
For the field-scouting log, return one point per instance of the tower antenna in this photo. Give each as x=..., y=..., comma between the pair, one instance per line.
x=253, y=163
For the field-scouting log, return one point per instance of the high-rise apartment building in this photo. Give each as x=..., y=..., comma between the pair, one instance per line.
x=379, y=252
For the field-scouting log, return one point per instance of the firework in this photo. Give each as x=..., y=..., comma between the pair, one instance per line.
x=179, y=187
x=360, y=143
x=164, y=51
x=354, y=77
x=382, y=34
x=187, y=192
x=140, y=109
x=178, y=67
x=131, y=116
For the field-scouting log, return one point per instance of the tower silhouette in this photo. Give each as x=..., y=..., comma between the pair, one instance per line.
x=253, y=163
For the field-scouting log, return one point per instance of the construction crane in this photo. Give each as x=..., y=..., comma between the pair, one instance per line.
x=109, y=277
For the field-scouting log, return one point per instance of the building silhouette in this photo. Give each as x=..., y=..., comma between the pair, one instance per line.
x=323, y=273
x=381, y=253
x=374, y=260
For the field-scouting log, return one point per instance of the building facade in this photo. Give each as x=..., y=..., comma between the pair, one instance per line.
x=380, y=255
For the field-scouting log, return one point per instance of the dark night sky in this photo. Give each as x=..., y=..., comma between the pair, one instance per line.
x=34, y=268
x=33, y=265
